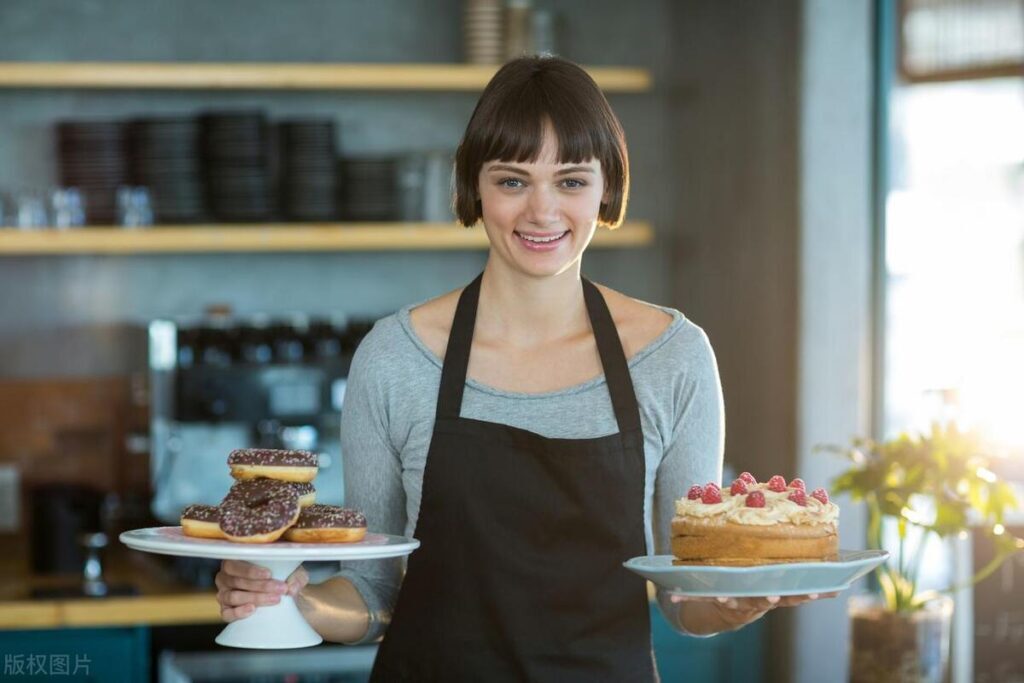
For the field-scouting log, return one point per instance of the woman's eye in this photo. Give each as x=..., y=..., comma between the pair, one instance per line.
x=574, y=183
x=511, y=183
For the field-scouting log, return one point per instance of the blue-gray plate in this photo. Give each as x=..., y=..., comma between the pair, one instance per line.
x=798, y=578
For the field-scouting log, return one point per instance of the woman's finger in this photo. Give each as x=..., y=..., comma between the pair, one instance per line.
x=245, y=570
x=230, y=614
x=680, y=597
x=236, y=598
x=297, y=581
x=228, y=581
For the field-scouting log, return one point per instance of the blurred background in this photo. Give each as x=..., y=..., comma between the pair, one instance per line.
x=205, y=206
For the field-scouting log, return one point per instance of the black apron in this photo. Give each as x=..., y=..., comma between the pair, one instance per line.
x=519, y=574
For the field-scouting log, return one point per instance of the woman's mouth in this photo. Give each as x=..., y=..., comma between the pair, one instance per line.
x=541, y=241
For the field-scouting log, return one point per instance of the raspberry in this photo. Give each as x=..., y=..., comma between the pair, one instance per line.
x=749, y=478
x=755, y=499
x=738, y=487
x=798, y=483
x=820, y=494
x=777, y=484
x=712, y=494
x=799, y=496
x=695, y=493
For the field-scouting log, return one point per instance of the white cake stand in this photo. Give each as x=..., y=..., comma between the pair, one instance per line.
x=277, y=626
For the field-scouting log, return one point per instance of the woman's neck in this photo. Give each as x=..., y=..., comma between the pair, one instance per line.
x=529, y=311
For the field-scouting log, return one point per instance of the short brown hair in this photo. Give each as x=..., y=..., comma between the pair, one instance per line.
x=508, y=125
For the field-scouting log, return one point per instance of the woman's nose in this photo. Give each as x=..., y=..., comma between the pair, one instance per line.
x=542, y=208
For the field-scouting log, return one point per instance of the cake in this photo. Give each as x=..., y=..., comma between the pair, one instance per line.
x=755, y=523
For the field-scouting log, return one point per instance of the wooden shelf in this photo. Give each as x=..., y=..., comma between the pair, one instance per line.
x=304, y=237
x=280, y=76
x=183, y=608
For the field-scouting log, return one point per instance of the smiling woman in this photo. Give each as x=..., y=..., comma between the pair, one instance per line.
x=532, y=429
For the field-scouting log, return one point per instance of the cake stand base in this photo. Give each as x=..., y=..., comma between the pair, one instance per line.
x=272, y=627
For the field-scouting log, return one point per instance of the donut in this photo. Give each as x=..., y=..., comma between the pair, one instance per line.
x=305, y=490
x=327, y=524
x=201, y=521
x=249, y=463
x=258, y=511
x=307, y=494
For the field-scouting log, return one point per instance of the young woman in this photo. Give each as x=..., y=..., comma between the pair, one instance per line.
x=532, y=429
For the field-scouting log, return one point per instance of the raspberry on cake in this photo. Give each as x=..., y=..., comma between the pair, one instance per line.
x=753, y=523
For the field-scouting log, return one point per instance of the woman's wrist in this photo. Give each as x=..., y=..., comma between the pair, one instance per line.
x=335, y=610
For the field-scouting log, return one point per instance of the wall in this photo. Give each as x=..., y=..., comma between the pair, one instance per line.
x=836, y=270
x=82, y=315
x=736, y=142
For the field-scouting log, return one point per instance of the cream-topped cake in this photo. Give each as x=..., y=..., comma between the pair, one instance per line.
x=755, y=523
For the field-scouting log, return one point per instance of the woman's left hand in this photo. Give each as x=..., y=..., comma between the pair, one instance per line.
x=737, y=612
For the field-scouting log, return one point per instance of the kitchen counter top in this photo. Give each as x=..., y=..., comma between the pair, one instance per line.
x=162, y=599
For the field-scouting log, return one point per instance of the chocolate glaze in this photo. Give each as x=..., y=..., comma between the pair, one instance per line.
x=319, y=516
x=258, y=506
x=262, y=486
x=202, y=513
x=272, y=457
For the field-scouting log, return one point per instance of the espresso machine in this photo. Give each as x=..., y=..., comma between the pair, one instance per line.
x=220, y=383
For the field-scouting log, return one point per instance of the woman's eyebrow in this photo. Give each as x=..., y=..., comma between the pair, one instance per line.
x=516, y=169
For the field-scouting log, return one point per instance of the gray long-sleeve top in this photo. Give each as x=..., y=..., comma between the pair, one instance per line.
x=388, y=418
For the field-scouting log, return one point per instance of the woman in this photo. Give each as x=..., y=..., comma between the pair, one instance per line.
x=532, y=430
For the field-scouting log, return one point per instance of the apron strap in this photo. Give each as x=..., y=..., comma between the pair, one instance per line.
x=456, y=355
x=613, y=359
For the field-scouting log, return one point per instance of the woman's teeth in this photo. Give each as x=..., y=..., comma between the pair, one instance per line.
x=542, y=240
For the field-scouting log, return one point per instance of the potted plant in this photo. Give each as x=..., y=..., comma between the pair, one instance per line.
x=925, y=486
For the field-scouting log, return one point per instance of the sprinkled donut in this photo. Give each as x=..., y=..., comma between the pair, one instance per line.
x=327, y=524
x=201, y=521
x=305, y=490
x=249, y=463
x=258, y=511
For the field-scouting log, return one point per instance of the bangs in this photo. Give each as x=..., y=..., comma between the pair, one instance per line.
x=518, y=131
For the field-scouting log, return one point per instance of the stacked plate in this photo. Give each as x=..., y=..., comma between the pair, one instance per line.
x=164, y=154
x=369, y=189
x=235, y=150
x=91, y=158
x=308, y=170
x=482, y=31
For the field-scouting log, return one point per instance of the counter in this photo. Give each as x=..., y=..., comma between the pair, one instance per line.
x=162, y=599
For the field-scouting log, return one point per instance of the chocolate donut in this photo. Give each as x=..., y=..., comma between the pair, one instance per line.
x=327, y=524
x=249, y=487
x=201, y=521
x=258, y=511
x=285, y=465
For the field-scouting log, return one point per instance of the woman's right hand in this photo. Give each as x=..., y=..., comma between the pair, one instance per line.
x=243, y=586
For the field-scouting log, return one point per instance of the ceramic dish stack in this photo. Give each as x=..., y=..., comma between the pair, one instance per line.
x=483, y=29
x=164, y=156
x=369, y=189
x=236, y=152
x=308, y=170
x=91, y=158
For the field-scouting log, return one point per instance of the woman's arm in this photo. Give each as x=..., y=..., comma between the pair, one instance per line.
x=694, y=456
x=355, y=605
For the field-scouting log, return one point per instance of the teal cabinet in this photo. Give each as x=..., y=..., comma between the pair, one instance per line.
x=102, y=655
x=733, y=657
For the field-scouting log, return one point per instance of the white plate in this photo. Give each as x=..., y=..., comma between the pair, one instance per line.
x=278, y=626
x=798, y=578
x=168, y=540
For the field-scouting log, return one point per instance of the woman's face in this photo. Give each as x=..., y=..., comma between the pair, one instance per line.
x=540, y=216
